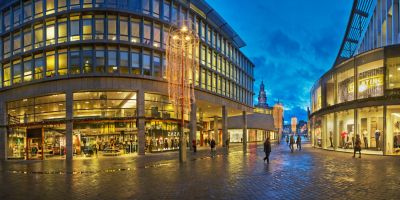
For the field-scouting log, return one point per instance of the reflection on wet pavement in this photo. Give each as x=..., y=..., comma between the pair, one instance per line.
x=307, y=174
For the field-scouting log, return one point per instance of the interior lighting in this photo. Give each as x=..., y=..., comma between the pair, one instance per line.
x=398, y=68
x=187, y=38
x=175, y=37
x=184, y=29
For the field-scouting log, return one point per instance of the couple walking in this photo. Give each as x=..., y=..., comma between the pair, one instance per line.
x=298, y=143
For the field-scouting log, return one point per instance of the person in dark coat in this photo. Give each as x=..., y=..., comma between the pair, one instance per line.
x=194, y=145
x=291, y=145
x=267, y=149
x=357, y=146
x=298, y=142
x=213, y=149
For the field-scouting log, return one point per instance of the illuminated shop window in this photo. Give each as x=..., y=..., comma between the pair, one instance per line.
x=135, y=61
x=158, y=106
x=17, y=43
x=112, y=27
x=147, y=33
x=75, y=28
x=370, y=79
x=28, y=76
x=74, y=61
x=87, y=27
x=99, y=24
x=157, y=65
x=27, y=11
x=146, y=63
x=62, y=62
x=345, y=85
x=124, y=61
x=370, y=119
x=49, y=7
x=62, y=30
x=38, y=8
x=50, y=64
x=156, y=8
x=393, y=72
x=39, y=66
x=167, y=6
x=123, y=28
x=87, y=55
x=135, y=30
x=50, y=33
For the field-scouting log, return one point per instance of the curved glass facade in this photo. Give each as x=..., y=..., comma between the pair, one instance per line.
x=359, y=96
x=45, y=42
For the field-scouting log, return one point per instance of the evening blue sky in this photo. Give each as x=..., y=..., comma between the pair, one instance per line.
x=292, y=43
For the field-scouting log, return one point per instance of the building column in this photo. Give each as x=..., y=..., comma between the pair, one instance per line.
x=384, y=132
x=69, y=124
x=216, y=135
x=244, y=135
x=193, y=125
x=3, y=131
x=141, y=122
x=225, y=134
x=335, y=132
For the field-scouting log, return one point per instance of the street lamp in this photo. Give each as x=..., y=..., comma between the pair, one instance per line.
x=182, y=43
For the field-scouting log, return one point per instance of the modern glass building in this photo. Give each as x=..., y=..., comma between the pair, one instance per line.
x=359, y=95
x=85, y=77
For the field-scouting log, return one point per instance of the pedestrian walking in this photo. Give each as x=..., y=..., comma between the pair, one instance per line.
x=357, y=146
x=194, y=146
x=213, y=149
x=287, y=140
x=227, y=143
x=291, y=145
x=267, y=149
x=298, y=142
x=331, y=138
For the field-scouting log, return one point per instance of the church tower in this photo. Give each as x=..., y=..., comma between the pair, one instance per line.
x=262, y=97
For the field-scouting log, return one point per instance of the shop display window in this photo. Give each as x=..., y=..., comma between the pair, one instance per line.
x=345, y=129
x=162, y=136
x=158, y=106
x=393, y=130
x=370, y=79
x=345, y=83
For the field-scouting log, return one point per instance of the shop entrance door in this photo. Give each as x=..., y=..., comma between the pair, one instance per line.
x=34, y=147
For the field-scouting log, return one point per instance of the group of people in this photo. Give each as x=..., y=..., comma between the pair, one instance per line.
x=290, y=141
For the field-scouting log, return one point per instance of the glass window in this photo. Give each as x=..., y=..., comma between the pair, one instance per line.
x=74, y=62
x=27, y=69
x=157, y=35
x=74, y=4
x=99, y=27
x=27, y=11
x=124, y=61
x=7, y=75
x=62, y=62
x=87, y=27
x=369, y=123
x=17, y=43
x=1, y=76
x=87, y=3
x=7, y=47
x=157, y=65
x=165, y=37
x=62, y=5
x=17, y=71
x=147, y=33
x=112, y=62
x=27, y=39
x=112, y=27
x=99, y=3
x=167, y=6
x=49, y=7
x=203, y=78
x=135, y=62
x=7, y=20
x=203, y=55
x=135, y=30
x=62, y=30
x=158, y=106
x=156, y=8
x=370, y=79
x=39, y=66
x=17, y=16
x=174, y=13
x=100, y=61
x=87, y=60
x=123, y=28
x=75, y=28
x=345, y=81
x=392, y=141
x=146, y=6
x=146, y=63
x=38, y=8
x=50, y=64
x=50, y=33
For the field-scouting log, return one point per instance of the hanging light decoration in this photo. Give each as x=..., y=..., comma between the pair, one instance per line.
x=181, y=66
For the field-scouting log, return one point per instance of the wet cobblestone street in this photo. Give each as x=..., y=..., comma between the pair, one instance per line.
x=307, y=174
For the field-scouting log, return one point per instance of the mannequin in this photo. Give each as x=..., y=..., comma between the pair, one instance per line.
x=377, y=138
x=365, y=137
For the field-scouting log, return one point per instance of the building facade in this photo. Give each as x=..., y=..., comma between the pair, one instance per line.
x=359, y=96
x=79, y=77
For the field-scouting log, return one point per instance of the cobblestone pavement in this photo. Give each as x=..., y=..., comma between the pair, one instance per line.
x=306, y=174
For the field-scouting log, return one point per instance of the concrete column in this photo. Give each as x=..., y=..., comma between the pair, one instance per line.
x=244, y=131
x=216, y=135
x=225, y=134
x=69, y=124
x=384, y=132
x=335, y=132
x=141, y=122
x=3, y=131
x=193, y=124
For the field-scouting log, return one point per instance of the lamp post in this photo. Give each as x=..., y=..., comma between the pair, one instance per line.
x=182, y=43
